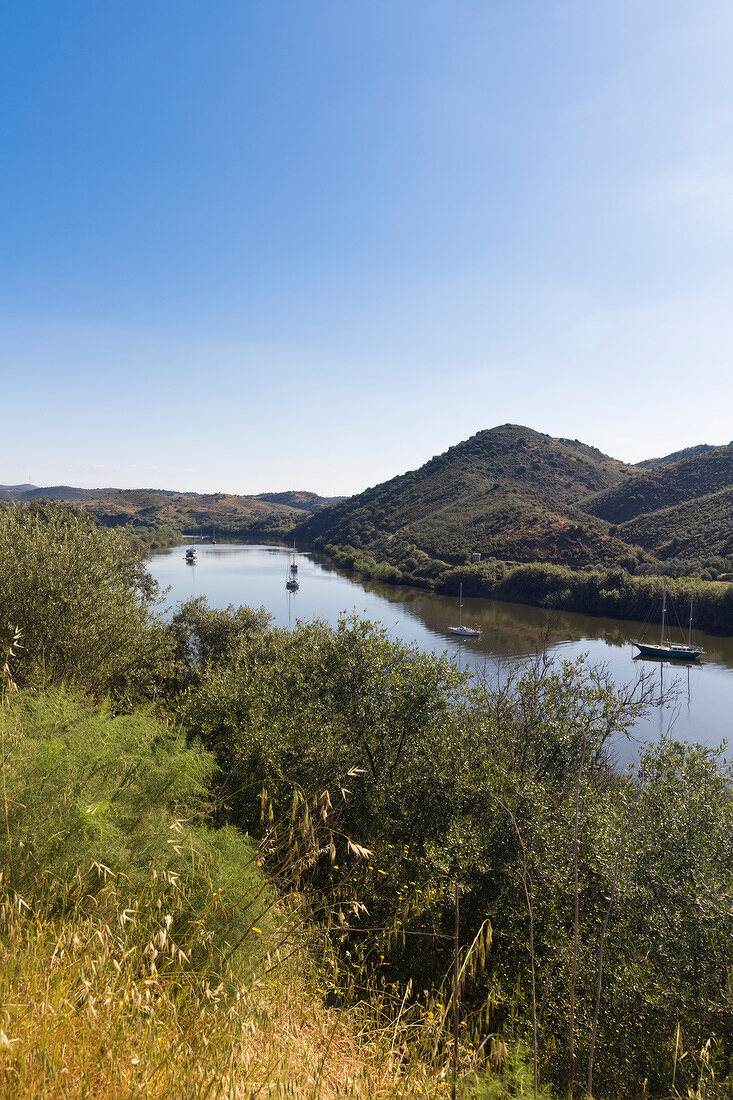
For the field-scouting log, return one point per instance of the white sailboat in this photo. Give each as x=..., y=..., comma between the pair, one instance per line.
x=675, y=651
x=461, y=630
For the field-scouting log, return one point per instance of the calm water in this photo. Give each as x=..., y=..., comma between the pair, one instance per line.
x=255, y=575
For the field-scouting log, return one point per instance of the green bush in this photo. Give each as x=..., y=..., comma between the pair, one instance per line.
x=83, y=600
x=90, y=798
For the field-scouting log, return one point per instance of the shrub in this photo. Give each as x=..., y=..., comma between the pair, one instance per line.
x=90, y=798
x=83, y=600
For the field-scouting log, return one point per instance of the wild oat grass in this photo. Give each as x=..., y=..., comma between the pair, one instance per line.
x=145, y=954
x=90, y=1007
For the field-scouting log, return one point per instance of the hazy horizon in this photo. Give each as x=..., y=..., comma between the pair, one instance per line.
x=290, y=488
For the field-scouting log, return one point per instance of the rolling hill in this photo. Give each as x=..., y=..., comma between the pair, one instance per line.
x=697, y=528
x=665, y=485
x=68, y=494
x=233, y=516
x=508, y=492
x=667, y=460
x=520, y=496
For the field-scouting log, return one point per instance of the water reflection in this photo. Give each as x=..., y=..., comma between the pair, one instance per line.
x=699, y=696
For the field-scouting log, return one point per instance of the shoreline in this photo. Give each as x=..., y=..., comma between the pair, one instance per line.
x=612, y=593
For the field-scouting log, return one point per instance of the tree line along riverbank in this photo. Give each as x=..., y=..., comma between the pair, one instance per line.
x=612, y=593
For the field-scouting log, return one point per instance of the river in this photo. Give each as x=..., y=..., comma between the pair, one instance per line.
x=255, y=575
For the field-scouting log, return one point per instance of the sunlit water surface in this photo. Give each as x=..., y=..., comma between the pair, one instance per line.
x=255, y=575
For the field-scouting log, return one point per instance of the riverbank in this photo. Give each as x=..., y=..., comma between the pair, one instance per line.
x=613, y=593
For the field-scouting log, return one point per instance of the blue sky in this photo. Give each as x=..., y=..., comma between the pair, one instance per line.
x=252, y=245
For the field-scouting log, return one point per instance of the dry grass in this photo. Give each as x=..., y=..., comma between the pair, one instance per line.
x=89, y=1012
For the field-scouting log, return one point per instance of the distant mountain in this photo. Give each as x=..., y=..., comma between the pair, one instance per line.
x=309, y=502
x=66, y=493
x=233, y=516
x=508, y=492
x=273, y=514
x=674, y=457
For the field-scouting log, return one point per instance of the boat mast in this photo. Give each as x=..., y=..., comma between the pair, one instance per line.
x=664, y=607
x=460, y=604
x=689, y=628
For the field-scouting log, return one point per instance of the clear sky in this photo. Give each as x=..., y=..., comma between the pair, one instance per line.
x=252, y=245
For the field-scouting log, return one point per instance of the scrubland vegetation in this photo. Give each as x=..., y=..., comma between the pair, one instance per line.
x=238, y=861
x=271, y=515
x=556, y=521
x=510, y=492
x=615, y=593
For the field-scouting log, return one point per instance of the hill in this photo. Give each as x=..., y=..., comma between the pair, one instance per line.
x=697, y=528
x=507, y=492
x=68, y=494
x=13, y=489
x=233, y=516
x=667, y=460
x=308, y=502
x=663, y=486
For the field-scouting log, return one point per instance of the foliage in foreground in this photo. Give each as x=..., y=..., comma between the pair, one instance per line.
x=595, y=924
x=140, y=950
x=486, y=784
x=94, y=804
x=83, y=600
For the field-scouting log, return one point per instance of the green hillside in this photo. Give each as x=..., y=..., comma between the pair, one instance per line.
x=698, y=528
x=508, y=492
x=663, y=486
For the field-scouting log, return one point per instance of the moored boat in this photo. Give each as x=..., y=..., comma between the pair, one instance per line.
x=291, y=582
x=461, y=630
x=673, y=651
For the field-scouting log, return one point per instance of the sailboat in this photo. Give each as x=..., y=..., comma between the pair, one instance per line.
x=461, y=630
x=292, y=583
x=664, y=648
